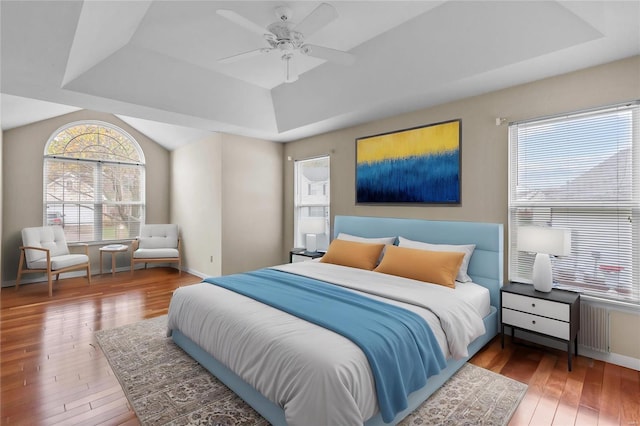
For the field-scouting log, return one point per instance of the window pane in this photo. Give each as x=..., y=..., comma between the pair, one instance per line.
x=587, y=158
x=601, y=258
x=94, y=183
x=70, y=196
x=119, y=222
x=312, y=189
x=312, y=179
x=580, y=172
x=122, y=209
x=95, y=141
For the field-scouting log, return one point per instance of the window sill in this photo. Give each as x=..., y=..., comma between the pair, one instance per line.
x=618, y=305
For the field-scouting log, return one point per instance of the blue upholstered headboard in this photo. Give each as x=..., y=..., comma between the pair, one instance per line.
x=486, y=265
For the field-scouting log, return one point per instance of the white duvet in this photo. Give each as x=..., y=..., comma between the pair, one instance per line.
x=317, y=376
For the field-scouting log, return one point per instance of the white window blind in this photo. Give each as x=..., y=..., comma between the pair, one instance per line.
x=312, y=195
x=580, y=171
x=94, y=182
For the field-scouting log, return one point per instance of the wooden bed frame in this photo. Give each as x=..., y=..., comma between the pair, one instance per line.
x=485, y=268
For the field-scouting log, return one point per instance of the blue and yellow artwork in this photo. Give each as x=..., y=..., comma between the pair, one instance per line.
x=420, y=165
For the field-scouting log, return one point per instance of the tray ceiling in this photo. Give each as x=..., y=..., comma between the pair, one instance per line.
x=157, y=61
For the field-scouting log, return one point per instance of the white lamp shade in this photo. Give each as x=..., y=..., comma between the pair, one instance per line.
x=312, y=225
x=539, y=239
x=544, y=241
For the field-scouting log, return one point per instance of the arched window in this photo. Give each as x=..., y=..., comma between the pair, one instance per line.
x=94, y=181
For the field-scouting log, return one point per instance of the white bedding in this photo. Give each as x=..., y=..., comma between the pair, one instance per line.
x=317, y=376
x=476, y=295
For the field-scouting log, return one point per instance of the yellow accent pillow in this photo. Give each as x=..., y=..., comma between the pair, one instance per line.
x=353, y=254
x=437, y=267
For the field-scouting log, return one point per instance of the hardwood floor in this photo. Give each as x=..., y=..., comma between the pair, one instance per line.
x=52, y=369
x=54, y=372
x=594, y=393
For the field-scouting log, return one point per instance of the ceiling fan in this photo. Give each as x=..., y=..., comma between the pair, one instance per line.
x=287, y=38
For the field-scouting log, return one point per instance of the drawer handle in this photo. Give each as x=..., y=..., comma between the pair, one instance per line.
x=533, y=322
x=533, y=305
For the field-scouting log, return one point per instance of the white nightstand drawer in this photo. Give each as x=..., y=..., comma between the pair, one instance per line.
x=536, y=323
x=545, y=308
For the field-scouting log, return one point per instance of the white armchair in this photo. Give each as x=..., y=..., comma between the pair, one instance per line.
x=157, y=243
x=45, y=250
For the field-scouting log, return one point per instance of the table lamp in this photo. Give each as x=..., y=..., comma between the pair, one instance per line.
x=311, y=227
x=544, y=241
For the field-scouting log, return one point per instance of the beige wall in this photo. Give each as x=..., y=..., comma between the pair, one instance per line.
x=195, y=203
x=1, y=232
x=484, y=145
x=251, y=204
x=23, y=148
x=227, y=198
x=625, y=337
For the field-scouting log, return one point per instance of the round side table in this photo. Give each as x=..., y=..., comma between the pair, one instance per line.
x=113, y=249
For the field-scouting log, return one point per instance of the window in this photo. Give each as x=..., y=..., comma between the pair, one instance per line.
x=94, y=182
x=311, y=200
x=582, y=172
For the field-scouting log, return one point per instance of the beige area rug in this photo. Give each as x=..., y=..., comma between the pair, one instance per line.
x=167, y=387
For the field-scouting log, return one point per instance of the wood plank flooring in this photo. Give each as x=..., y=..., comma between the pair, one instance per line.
x=52, y=370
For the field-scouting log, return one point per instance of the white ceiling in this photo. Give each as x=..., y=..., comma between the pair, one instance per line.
x=154, y=63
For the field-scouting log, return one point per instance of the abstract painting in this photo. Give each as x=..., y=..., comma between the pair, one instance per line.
x=418, y=165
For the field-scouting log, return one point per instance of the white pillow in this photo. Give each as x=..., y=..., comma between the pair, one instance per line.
x=382, y=240
x=467, y=249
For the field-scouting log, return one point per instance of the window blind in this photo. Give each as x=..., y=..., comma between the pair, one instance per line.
x=580, y=171
x=312, y=189
x=94, y=182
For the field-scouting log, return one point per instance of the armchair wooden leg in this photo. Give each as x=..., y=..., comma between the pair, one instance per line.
x=50, y=283
x=89, y=273
x=20, y=265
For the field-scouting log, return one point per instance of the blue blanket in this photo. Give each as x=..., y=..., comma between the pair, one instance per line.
x=401, y=348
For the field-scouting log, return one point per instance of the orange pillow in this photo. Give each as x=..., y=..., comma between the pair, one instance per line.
x=353, y=254
x=437, y=267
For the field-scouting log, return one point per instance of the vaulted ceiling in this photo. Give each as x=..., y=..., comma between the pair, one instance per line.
x=156, y=64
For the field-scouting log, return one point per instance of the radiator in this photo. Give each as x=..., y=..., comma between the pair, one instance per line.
x=594, y=327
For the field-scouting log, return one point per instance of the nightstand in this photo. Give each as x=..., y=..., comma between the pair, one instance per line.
x=300, y=255
x=555, y=314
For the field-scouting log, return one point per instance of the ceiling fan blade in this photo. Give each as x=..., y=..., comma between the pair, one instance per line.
x=332, y=55
x=245, y=55
x=242, y=21
x=317, y=19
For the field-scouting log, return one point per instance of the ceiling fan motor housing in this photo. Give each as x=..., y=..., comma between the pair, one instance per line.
x=285, y=38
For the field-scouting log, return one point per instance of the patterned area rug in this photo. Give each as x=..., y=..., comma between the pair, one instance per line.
x=167, y=387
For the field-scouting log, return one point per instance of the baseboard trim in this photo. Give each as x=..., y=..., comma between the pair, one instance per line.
x=196, y=273
x=612, y=358
x=75, y=274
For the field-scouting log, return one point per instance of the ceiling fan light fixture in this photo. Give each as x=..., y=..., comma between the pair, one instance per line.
x=286, y=46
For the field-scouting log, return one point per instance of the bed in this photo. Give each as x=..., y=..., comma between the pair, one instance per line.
x=252, y=363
